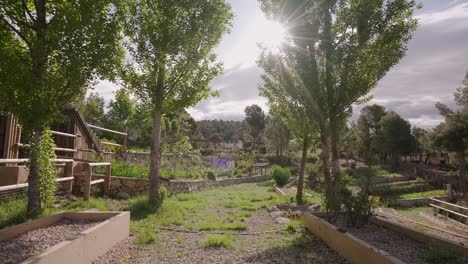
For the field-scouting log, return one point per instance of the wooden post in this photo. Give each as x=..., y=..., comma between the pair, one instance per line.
x=69, y=173
x=87, y=183
x=107, y=180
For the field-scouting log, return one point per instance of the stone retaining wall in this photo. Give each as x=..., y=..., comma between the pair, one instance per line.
x=123, y=187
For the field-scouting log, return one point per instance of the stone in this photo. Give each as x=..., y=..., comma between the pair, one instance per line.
x=276, y=214
x=130, y=184
x=272, y=209
x=314, y=207
x=282, y=220
x=115, y=183
x=123, y=195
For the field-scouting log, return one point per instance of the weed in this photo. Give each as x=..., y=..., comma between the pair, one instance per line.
x=436, y=254
x=145, y=235
x=219, y=241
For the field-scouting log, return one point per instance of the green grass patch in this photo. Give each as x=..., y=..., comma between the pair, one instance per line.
x=422, y=194
x=294, y=225
x=219, y=241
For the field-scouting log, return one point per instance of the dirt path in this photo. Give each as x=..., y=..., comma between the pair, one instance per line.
x=233, y=211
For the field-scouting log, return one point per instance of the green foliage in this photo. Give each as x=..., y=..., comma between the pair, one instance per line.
x=219, y=241
x=145, y=235
x=46, y=168
x=211, y=175
x=255, y=120
x=436, y=254
x=277, y=134
x=141, y=206
x=280, y=175
x=294, y=225
x=431, y=193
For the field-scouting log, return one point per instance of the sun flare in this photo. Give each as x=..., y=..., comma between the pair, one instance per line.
x=272, y=34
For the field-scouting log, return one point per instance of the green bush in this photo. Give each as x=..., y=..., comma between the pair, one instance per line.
x=280, y=175
x=211, y=175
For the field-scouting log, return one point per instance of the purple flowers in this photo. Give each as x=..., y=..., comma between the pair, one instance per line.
x=220, y=162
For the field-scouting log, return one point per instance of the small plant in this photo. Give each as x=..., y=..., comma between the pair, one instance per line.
x=280, y=175
x=145, y=235
x=294, y=225
x=211, y=175
x=141, y=206
x=436, y=254
x=219, y=241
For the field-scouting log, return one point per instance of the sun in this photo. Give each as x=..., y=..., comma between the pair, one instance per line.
x=271, y=34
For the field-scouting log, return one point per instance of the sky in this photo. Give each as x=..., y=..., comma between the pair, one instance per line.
x=434, y=65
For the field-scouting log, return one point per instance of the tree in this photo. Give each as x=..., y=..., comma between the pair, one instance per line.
x=121, y=110
x=91, y=108
x=396, y=137
x=171, y=45
x=51, y=52
x=285, y=93
x=343, y=48
x=452, y=135
x=368, y=131
x=255, y=120
x=277, y=134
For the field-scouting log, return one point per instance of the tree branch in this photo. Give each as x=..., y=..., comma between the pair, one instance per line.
x=17, y=31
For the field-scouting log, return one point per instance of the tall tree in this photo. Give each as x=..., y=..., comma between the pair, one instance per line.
x=343, y=47
x=121, y=110
x=51, y=52
x=255, y=120
x=452, y=135
x=368, y=131
x=171, y=45
x=91, y=108
x=277, y=134
x=285, y=93
x=396, y=137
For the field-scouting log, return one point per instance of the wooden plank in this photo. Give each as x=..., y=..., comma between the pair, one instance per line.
x=112, y=144
x=65, y=150
x=450, y=211
x=87, y=184
x=99, y=164
x=58, y=133
x=24, y=185
x=107, y=130
x=96, y=181
x=449, y=204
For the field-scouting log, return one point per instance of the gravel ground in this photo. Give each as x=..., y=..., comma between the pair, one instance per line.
x=405, y=249
x=281, y=247
x=31, y=243
x=120, y=253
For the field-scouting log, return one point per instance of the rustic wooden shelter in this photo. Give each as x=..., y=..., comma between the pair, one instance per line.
x=77, y=148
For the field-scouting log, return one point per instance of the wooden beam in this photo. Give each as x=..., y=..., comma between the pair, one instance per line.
x=107, y=130
x=447, y=210
x=449, y=204
x=58, y=133
x=94, y=164
x=112, y=144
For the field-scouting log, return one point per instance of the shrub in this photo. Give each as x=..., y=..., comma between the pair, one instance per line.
x=280, y=175
x=211, y=175
x=436, y=254
x=219, y=241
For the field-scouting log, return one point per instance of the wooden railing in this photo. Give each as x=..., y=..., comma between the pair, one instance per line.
x=88, y=178
x=458, y=212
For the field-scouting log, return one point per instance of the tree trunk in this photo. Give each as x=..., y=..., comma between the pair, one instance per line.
x=300, y=182
x=155, y=157
x=462, y=172
x=34, y=194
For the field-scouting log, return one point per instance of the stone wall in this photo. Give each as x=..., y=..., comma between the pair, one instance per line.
x=123, y=187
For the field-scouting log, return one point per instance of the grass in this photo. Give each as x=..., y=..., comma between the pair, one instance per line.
x=422, y=194
x=294, y=225
x=219, y=241
x=437, y=254
x=13, y=211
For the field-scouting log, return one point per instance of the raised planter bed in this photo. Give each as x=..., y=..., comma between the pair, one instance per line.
x=67, y=237
x=381, y=241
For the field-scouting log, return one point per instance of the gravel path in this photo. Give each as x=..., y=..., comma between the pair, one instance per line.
x=281, y=247
x=119, y=253
x=31, y=243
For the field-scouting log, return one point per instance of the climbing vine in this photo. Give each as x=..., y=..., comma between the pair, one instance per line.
x=46, y=168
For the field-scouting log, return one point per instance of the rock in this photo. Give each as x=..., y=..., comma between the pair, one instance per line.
x=115, y=183
x=123, y=195
x=272, y=209
x=276, y=214
x=282, y=220
x=130, y=184
x=314, y=207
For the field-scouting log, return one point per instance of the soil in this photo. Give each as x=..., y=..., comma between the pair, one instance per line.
x=36, y=241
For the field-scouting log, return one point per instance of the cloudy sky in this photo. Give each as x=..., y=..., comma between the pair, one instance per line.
x=432, y=69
